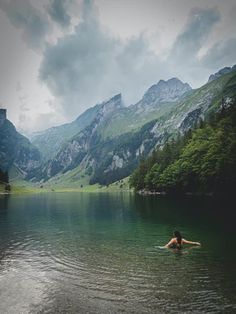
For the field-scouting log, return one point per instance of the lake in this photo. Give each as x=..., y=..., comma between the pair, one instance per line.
x=98, y=253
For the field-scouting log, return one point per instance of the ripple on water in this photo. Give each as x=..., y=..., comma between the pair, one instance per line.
x=78, y=260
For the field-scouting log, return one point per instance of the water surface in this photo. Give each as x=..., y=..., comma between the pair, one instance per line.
x=98, y=253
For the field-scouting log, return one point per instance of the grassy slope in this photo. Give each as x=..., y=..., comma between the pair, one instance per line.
x=217, y=88
x=77, y=177
x=72, y=180
x=129, y=119
x=20, y=186
x=51, y=140
x=209, y=96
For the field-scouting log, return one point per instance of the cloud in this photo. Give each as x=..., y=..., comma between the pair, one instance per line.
x=26, y=123
x=87, y=64
x=90, y=65
x=221, y=54
x=74, y=67
x=29, y=19
x=194, y=35
x=58, y=12
x=183, y=57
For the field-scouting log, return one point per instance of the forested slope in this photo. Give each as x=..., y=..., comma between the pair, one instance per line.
x=202, y=161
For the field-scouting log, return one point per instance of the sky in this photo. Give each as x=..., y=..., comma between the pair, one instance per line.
x=60, y=57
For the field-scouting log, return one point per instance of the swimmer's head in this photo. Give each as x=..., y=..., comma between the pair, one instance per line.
x=178, y=235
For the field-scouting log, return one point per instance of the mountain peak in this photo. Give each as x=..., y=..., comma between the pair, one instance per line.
x=117, y=100
x=221, y=72
x=113, y=103
x=166, y=91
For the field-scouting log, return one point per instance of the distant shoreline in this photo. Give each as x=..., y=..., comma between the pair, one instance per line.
x=18, y=190
x=147, y=193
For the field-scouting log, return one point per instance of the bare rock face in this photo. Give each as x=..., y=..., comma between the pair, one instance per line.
x=221, y=72
x=191, y=118
x=166, y=91
x=117, y=162
x=76, y=149
x=108, y=158
x=16, y=149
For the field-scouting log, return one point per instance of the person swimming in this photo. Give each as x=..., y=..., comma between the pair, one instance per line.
x=177, y=242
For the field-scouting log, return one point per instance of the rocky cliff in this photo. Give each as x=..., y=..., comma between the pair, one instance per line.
x=75, y=150
x=16, y=149
x=111, y=145
x=166, y=91
x=221, y=72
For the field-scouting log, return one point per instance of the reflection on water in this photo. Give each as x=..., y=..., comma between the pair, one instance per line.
x=97, y=253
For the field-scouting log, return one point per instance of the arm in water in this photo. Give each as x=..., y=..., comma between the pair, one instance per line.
x=190, y=242
x=177, y=241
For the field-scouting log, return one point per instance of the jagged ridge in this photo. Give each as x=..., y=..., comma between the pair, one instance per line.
x=112, y=158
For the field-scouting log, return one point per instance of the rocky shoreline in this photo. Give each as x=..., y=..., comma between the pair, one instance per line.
x=147, y=192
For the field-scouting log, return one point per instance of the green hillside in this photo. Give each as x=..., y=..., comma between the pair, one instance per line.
x=131, y=119
x=51, y=140
x=105, y=152
x=199, y=104
x=130, y=147
x=202, y=161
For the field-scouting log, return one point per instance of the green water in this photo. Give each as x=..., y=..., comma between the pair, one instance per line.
x=98, y=253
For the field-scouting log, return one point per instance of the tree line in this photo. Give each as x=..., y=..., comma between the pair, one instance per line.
x=201, y=161
x=4, y=179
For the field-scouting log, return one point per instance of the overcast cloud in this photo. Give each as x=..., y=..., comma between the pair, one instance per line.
x=22, y=14
x=57, y=10
x=89, y=65
x=223, y=52
x=188, y=43
x=90, y=50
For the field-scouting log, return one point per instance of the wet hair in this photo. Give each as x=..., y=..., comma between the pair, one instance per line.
x=178, y=235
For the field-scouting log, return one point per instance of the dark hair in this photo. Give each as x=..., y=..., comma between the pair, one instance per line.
x=178, y=235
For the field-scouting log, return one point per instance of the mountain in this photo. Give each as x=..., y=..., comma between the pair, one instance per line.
x=221, y=72
x=50, y=141
x=15, y=149
x=202, y=161
x=110, y=147
x=117, y=157
x=165, y=91
x=122, y=121
x=74, y=150
x=156, y=101
x=65, y=156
